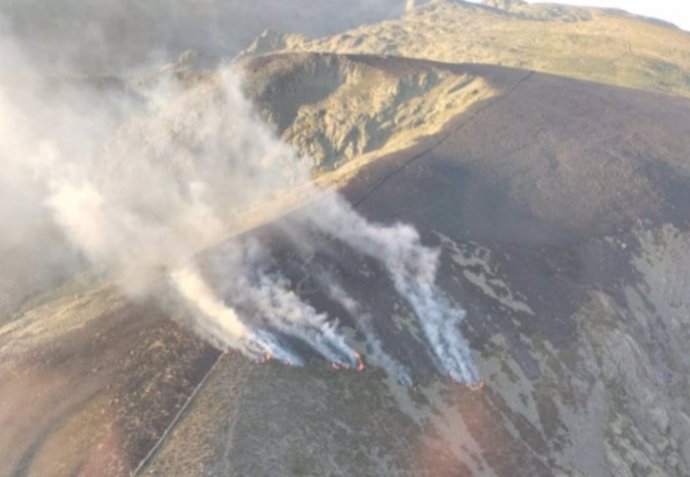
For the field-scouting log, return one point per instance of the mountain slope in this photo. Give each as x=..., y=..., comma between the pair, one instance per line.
x=561, y=212
x=560, y=207
x=334, y=108
x=608, y=46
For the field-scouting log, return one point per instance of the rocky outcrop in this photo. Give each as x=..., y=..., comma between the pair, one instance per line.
x=336, y=108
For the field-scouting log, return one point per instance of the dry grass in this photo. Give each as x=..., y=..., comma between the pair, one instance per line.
x=607, y=46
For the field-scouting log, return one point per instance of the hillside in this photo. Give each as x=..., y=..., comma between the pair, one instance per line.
x=609, y=46
x=559, y=207
x=335, y=108
x=542, y=150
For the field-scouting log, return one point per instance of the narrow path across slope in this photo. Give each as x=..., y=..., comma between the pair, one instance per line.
x=443, y=136
x=176, y=418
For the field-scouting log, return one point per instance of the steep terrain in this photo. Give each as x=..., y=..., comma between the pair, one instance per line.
x=560, y=207
x=336, y=108
x=563, y=231
x=609, y=46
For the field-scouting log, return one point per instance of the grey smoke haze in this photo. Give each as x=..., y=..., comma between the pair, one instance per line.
x=136, y=177
x=105, y=37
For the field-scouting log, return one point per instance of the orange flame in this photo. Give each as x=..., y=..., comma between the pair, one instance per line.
x=360, y=363
x=476, y=387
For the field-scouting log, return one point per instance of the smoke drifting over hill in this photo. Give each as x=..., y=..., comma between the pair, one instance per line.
x=136, y=178
x=103, y=37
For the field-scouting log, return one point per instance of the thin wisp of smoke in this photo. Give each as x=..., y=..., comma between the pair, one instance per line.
x=364, y=323
x=143, y=177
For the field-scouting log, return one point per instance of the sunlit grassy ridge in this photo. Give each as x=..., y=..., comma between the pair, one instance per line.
x=607, y=46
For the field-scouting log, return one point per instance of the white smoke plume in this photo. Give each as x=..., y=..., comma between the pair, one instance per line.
x=364, y=323
x=143, y=175
x=221, y=324
x=244, y=272
x=413, y=268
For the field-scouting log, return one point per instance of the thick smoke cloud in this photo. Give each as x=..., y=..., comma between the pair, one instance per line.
x=105, y=37
x=139, y=176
